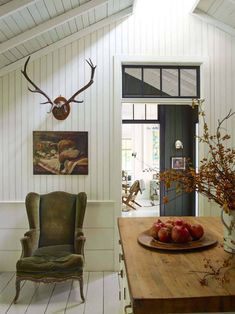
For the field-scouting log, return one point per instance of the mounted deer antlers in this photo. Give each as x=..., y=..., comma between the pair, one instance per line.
x=60, y=107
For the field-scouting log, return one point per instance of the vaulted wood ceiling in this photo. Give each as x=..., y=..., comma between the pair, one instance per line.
x=221, y=12
x=28, y=26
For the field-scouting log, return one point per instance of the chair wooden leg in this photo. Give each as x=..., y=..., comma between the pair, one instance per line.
x=81, y=288
x=17, y=290
x=137, y=203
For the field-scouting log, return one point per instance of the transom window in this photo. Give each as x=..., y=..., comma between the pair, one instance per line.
x=145, y=81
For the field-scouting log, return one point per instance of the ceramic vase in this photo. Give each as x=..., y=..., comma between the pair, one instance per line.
x=228, y=220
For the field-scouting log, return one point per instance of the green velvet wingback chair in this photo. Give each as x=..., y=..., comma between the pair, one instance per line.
x=53, y=248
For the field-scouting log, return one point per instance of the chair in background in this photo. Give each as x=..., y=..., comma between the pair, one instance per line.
x=129, y=197
x=53, y=248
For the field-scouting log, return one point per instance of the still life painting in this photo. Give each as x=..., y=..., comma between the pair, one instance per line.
x=60, y=152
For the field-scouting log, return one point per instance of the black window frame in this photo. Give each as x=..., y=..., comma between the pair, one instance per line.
x=161, y=67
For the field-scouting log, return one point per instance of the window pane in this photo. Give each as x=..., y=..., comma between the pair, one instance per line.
x=152, y=82
x=139, y=112
x=127, y=111
x=151, y=112
x=132, y=81
x=170, y=82
x=188, y=82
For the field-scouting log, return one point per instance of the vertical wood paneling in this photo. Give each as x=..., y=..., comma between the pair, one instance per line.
x=100, y=112
x=11, y=136
x=169, y=32
x=1, y=137
x=95, y=107
x=5, y=155
x=89, y=122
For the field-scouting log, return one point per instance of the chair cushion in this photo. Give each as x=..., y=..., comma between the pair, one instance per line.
x=51, y=259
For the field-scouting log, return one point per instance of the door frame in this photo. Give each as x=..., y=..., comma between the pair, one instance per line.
x=118, y=61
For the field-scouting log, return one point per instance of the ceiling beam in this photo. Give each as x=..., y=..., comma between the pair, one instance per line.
x=50, y=24
x=65, y=41
x=14, y=6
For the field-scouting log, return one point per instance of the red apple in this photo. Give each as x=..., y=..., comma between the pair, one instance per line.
x=179, y=222
x=169, y=225
x=164, y=235
x=180, y=234
x=196, y=231
x=155, y=228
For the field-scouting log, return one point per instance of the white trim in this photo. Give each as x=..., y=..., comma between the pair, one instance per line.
x=14, y=6
x=208, y=19
x=63, y=42
x=160, y=60
x=50, y=24
x=88, y=201
x=159, y=101
x=119, y=60
x=194, y=6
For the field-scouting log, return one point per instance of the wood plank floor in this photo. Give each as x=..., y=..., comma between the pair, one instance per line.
x=101, y=290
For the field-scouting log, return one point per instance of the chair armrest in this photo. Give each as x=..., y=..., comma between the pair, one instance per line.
x=29, y=243
x=79, y=241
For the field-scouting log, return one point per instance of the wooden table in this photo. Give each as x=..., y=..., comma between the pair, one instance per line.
x=166, y=282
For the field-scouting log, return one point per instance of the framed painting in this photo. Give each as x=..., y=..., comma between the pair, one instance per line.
x=178, y=163
x=60, y=152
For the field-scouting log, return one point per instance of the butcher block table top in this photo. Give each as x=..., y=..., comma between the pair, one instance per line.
x=162, y=281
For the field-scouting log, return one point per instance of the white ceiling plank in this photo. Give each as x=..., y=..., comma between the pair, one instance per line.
x=50, y=8
x=59, y=6
x=61, y=43
x=43, y=10
x=12, y=25
x=47, y=38
x=5, y=30
x=10, y=56
x=16, y=53
x=23, y=50
x=48, y=25
x=18, y=19
x=3, y=60
x=78, y=21
x=100, y=14
x=54, y=35
x=214, y=7
x=74, y=3
x=67, y=5
x=224, y=11
x=208, y=19
x=66, y=29
x=85, y=20
x=13, y=6
x=60, y=32
x=41, y=41
x=27, y=17
x=2, y=36
x=36, y=16
x=204, y=5
x=91, y=16
x=73, y=26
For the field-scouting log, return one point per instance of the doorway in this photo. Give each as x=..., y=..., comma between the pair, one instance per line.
x=149, y=146
x=141, y=151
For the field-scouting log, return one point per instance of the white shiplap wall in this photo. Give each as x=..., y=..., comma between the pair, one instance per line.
x=168, y=31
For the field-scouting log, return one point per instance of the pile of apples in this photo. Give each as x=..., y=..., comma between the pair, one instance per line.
x=177, y=231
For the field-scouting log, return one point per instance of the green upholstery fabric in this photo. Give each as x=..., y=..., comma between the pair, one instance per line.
x=53, y=247
x=57, y=219
x=51, y=259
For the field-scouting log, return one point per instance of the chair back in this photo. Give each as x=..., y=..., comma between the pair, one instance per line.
x=56, y=215
x=135, y=188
